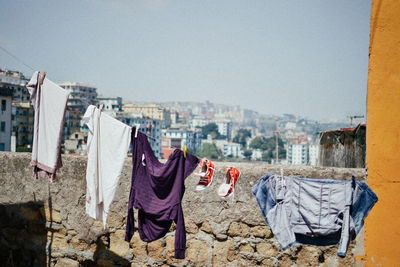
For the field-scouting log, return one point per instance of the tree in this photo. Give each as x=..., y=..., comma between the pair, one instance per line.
x=241, y=137
x=221, y=137
x=247, y=153
x=263, y=143
x=282, y=153
x=259, y=142
x=267, y=155
x=210, y=151
x=268, y=145
x=210, y=128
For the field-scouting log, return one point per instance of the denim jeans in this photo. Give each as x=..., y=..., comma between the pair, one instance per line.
x=314, y=211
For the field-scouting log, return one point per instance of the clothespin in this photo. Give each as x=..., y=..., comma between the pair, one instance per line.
x=282, y=177
x=184, y=151
x=137, y=125
x=143, y=160
x=43, y=76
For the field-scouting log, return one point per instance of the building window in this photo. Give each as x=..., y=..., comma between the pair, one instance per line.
x=3, y=126
x=3, y=104
x=2, y=147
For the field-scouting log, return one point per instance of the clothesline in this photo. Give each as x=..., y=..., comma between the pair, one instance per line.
x=16, y=58
x=159, y=203
x=22, y=62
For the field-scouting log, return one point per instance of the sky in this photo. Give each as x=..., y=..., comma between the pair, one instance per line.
x=308, y=58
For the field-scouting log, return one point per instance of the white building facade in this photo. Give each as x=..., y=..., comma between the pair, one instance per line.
x=224, y=128
x=313, y=152
x=110, y=103
x=5, y=118
x=188, y=138
x=12, y=77
x=256, y=154
x=297, y=154
x=228, y=149
x=81, y=95
x=197, y=122
x=232, y=150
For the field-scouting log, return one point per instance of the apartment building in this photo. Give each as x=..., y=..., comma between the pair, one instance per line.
x=153, y=111
x=173, y=138
x=224, y=127
x=110, y=103
x=302, y=150
x=12, y=77
x=148, y=126
x=297, y=154
x=81, y=95
x=72, y=123
x=22, y=126
x=5, y=118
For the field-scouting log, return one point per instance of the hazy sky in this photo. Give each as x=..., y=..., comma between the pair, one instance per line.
x=307, y=57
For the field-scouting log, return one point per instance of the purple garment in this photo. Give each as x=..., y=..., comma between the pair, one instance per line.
x=156, y=191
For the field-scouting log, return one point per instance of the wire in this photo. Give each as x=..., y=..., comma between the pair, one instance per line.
x=16, y=58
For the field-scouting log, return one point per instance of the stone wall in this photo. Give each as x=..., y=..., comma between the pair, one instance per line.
x=44, y=224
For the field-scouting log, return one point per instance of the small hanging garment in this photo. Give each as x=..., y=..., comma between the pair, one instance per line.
x=49, y=102
x=156, y=191
x=314, y=211
x=107, y=148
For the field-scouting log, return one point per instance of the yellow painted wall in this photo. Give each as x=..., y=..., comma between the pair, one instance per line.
x=382, y=228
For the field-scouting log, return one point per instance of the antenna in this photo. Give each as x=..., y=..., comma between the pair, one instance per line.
x=354, y=117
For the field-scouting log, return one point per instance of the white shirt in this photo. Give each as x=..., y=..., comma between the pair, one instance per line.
x=107, y=147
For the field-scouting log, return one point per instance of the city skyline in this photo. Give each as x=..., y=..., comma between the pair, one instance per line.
x=178, y=106
x=276, y=57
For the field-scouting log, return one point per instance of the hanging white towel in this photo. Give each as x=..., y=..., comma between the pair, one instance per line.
x=107, y=147
x=49, y=102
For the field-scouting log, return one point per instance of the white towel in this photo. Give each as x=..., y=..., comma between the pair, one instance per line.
x=49, y=102
x=107, y=147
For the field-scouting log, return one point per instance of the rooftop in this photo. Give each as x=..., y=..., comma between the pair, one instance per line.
x=346, y=129
x=76, y=84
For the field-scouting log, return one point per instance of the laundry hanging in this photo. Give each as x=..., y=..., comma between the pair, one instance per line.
x=49, y=102
x=314, y=211
x=107, y=147
x=156, y=191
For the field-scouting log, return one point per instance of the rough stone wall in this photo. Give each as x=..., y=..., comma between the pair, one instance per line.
x=44, y=224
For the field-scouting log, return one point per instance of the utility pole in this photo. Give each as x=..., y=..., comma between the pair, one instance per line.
x=276, y=132
x=354, y=117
